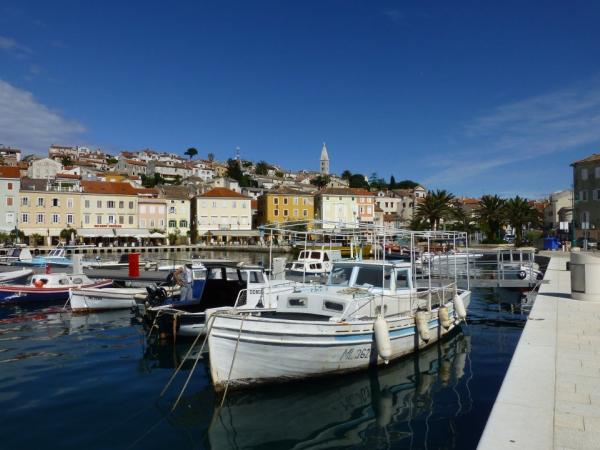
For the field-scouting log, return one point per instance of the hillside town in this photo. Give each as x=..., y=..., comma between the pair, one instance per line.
x=145, y=197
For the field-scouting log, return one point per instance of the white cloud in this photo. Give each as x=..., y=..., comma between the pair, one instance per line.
x=10, y=45
x=395, y=15
x=527, y=129
x=29, y=125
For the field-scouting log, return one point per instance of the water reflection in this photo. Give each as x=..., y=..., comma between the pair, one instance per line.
x=395, y=404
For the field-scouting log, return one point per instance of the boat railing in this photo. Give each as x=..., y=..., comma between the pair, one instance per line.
x=435, y=296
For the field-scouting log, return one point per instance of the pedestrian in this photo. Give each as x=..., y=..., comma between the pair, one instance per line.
x=186, y=277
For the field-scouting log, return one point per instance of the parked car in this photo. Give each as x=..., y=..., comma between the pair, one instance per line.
x=509, y=238
x=591, y=242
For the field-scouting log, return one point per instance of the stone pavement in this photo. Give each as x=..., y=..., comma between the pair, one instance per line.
x=550, y=397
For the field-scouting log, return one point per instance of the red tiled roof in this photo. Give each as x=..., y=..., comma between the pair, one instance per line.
x=147, y=191
x=135, y=162
x=223, y=192
x=68, y=175
x=591, y=158
x=361, y=191
x=9, y=172
x=108, y=188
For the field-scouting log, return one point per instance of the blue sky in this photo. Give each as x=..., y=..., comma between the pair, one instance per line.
x=474, y=97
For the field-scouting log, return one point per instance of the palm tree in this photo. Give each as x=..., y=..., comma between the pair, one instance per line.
x=519, y=213
x=462, y=220
x=491, y=215
x=191, y=152
x=435, y=207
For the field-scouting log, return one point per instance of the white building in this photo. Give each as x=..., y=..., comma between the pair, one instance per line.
x=223, y=209
x=44, y=168
x=337, y=207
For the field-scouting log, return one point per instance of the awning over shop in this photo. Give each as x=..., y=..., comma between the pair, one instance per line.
x=156, y=235
x=96, y=232
x=132, y=232
x=233, y=233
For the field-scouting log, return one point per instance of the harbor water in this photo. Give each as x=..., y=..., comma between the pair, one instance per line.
x=93, y=381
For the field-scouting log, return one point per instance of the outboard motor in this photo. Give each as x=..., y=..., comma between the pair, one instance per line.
x=156, y=295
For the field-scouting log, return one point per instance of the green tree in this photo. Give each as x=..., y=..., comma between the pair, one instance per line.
x=491, y=216
x=392, y=182
x=66, y=160
x=234, y=170
x=262, y=168
x=150, y=181
x=320, y=181
x=520, y=214
x=211, y=157
x=358, y=181
x=111, y=160
x=346, y=175
x=191, y=152
x=35, y=239
x=66, y=233
x=279, y=174
x=406, y=184
x=435, y=207
x=462, y=220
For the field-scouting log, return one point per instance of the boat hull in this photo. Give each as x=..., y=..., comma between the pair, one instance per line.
x=275, y=350
x=21, y=294
x=83, y=300
x=15, y=276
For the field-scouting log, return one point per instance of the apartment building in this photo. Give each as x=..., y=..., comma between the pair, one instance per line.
x=9, y=202
x=285, y=204
x=337, y=207
x=223, y=209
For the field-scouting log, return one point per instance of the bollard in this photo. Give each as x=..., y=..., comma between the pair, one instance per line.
x=134, y=265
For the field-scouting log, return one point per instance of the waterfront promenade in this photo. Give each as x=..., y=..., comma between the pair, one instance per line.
x=550, y=397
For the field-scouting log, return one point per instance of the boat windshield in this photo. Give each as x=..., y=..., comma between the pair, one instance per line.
x=373, y=277
x=340, y=276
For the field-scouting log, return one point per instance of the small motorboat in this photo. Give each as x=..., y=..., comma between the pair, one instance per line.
x=55, y=258
x=95, y=299
x=15, y=276
x=98, y=263
x=314, y=262
x=48, y=287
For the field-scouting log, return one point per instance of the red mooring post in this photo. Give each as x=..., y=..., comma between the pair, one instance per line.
x=134, y=265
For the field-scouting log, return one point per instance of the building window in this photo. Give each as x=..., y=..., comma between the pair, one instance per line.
x=25, y=218
x=285, y=200
x=285, y=213
x=172, y=210
x=583, y=196
x=86, y=219
x=142, y=223
x=162, y=223
x=121, y=204
x=10, y=186
x=304, y=201
x=99, y=203
x=10, y=217
x=110, y=204
x=121, y=220
x=70, y=219
x=87, y=203
x=183, y=224
x=275, y=201
x=70, y=203
x=98, y=220
x=172, y=224
x=9, y=201
x=111, y=219
x=24, y=201
x=214, y=204
x=584, y=174
x=295, y=213
x=130, y=205
x=152, y=223
x=39, y=218
x=276, y=212
x=295, y=200
x=244, y=204
x=233, y=204
x=130, y=220
x=40, y=201
x=305, y=212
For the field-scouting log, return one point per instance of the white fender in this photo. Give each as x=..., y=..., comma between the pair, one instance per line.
x=421, y=320
x=382, y=339
x=444, y=317
x=459, y=307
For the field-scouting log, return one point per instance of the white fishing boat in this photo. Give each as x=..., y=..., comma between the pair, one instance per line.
x=14, y=276
x=368, y=313
x=99, y=263
x=94, y=299
x=314, y=262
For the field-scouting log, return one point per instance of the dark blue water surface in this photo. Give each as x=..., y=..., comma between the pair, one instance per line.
x=93, y=382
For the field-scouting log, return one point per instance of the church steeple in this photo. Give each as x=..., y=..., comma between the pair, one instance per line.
x=324, y=160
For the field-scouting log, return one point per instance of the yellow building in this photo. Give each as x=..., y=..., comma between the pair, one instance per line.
x=46, y=207
x=109, y=211
x=285, y=204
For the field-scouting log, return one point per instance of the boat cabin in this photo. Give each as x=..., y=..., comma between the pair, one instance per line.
x=316, y=261
x=57, y=280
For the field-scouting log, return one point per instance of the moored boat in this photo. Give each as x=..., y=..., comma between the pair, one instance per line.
x=48, y=287
x=95, y=299
x=323, y=330
x=15, y=276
